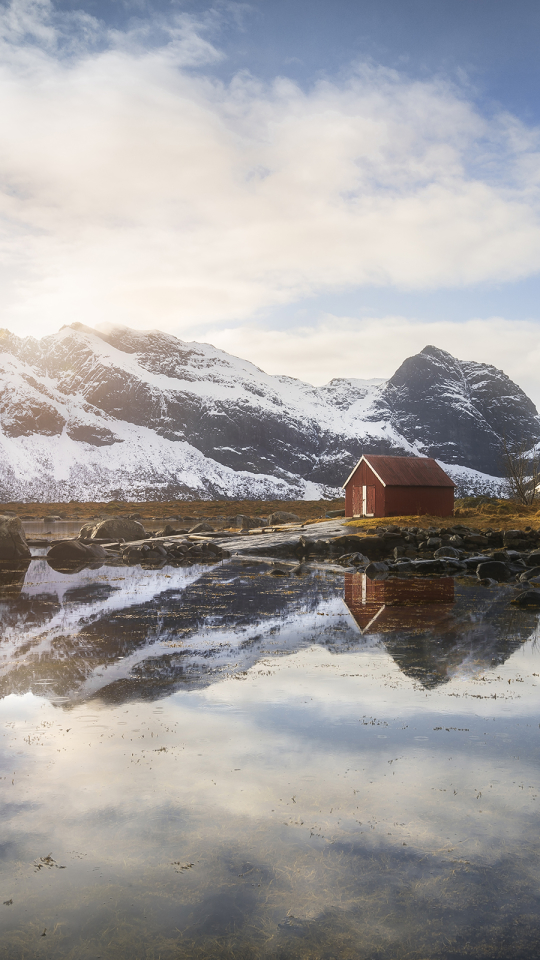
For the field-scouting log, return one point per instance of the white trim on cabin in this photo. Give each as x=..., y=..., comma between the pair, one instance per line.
x=363, y=457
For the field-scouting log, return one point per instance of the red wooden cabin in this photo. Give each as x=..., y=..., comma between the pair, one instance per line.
x=382, y=486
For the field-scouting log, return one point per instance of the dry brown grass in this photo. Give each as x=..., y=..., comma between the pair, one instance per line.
x=495, y=514
x=305, y=509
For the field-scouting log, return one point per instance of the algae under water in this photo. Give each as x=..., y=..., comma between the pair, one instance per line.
x=211, y=762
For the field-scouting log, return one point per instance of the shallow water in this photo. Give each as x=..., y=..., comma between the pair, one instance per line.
x=53, y=531
x=216, y=762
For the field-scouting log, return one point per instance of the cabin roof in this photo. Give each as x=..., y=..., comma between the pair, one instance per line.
x=405, y=471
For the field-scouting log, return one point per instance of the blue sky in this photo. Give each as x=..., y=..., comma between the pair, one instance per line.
x=322, y=187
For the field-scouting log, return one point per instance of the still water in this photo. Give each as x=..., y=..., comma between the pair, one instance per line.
x=213, y=762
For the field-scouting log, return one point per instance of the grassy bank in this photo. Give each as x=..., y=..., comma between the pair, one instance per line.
x=472, y=512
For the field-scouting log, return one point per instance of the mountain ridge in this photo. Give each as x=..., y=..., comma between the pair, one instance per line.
x=113, y=412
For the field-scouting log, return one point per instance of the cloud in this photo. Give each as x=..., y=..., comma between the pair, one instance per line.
x=376, y=346
x=138, y=188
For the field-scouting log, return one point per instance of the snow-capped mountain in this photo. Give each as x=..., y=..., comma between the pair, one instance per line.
x=93, y=414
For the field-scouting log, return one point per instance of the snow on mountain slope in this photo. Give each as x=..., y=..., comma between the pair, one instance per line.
x=114, y=412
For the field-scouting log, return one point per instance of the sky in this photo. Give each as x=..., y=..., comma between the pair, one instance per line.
x=320, y=186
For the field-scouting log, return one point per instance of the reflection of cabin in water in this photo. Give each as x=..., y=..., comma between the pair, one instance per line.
x=382, y=606
x=398, y=486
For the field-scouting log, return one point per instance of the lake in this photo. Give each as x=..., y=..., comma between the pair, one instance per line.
x=215, y=762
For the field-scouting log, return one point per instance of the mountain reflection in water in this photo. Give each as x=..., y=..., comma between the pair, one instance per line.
x=125, y=632
x=218, y=763
x=433, y=628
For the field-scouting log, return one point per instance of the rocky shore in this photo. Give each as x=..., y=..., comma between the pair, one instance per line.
x=291, y=545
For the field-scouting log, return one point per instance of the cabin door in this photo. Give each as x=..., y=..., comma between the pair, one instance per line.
x=357, y=501
x=369, y=503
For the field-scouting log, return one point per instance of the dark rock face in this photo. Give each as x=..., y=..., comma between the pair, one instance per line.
x=459, y=410
x=219, y=426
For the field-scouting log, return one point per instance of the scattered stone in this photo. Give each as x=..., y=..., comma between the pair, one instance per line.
x=476, y=540
x=202, y=527
x=335, y=513
x=530, y=574
x=281, y=516
x=353, y=559
x=167, y=531
x=447, y=552
x=374, y=548
x=13, y=545
x=377, y=570
x=244, y=523
x=494, y=570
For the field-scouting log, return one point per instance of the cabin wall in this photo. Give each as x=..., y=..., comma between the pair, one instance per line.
x=364, y=476
x=415, y=501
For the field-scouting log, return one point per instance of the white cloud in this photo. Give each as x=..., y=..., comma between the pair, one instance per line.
x=138, y=189
x=376, y=346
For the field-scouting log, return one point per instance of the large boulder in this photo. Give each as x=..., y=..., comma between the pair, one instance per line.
x=73, y=551
x=13, y=545
x=115, y=528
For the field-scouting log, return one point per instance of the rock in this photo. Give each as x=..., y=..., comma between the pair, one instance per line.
x=429, y=566
x=447, y=552
x=512, y=535
x=488, y=582
x=493, y=569
x=73, y=551
x=133, y=554
x=476, y=540
x=335, y=513
x=356, y=559
x=244, y=523
x=530, y=574
x=13, y=545
x=51, y=519
x=202, y=527
x=531, y=598
x=167, y=531
x=533, y=559
x=433, y=543
x=374, y=548
x=152, y=553
x=377, y=570
x=472, y=562
x=115, y=528
x=281, y=516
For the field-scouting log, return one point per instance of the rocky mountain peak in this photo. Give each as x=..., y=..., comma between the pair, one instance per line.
x=90, y=413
